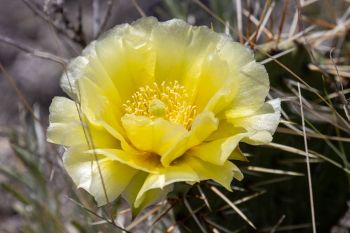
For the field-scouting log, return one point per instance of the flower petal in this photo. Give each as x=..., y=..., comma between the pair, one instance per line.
x=197, y=60
x=253, y=86
x=97, y=106
x=149, y=197
x=263, y=122
x=85, y=75
x=214, y=77
x=222, y=98
x=235, y=54
x=142, y=161
x=127, y=56
x=228, y=51
x=86, y=174
x=189, y=169
x=178, y=173
x=67, y=129
x=187, y=47
x=266, y=118
x=121, y=56
x=237, y=154
x=74, y=71
x=148, y=135
x=217, y=151
x=222, y=174
x=203, y=125
x=142, y=157
x=259, y=138
x=225, y=129
x=88, y=66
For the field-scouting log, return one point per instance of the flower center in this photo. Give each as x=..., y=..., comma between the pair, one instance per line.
x=167, y=100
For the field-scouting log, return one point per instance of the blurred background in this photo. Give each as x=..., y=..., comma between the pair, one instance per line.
x=299, y=41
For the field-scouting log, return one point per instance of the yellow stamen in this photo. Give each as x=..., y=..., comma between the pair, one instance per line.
x=167, y=100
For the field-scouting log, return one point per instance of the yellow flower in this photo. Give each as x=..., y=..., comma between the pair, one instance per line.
x=160, y=103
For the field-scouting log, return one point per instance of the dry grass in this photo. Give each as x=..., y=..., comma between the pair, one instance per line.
x=305, y=49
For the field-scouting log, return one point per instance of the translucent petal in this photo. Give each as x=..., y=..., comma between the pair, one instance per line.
x=236, y=55
x=203, y=61
x=67, y=129
x=177, y=173
x=142, y=161
x=151, y=196
x=214, y=76
x=264, y=119
x=128, y=56
x=259, y=138
x=203, y=125
x=229, y=52
x=189, y=169
x=85, y=75
x=131, y=191
x=222, y=98
x=74, y=71
x=237, y=154
x=156, y=136
x=95, y=106
x=253, y=86
x=186, y=46
x=124, y=54
x=84, y=171
x=222, y=174
x=263, y=122
x=225, y=130
x=217, y=151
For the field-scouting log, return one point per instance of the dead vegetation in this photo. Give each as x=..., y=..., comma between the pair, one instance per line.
x=298, y=183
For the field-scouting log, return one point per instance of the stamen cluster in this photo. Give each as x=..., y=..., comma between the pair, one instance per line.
x=167, y=100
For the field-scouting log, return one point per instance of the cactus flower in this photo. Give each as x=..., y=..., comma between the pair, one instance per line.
x=156, y=103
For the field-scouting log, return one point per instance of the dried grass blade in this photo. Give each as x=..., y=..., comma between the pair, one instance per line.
x=194, y=216
x=221, y=228
x=312, y=135
x=143, y=217
x=234, y=207
x=307, y=165
x=285, y=52
x=18, y=92
x=138, y=8
x=239, y=20
x=247, y=198
x=289, y=149
x=107, y=16
x=283, y=19
x=205, y=199
x=307, y=85
x=97, y=215
x=273, y=171
x=275, y=227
